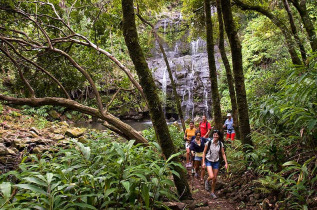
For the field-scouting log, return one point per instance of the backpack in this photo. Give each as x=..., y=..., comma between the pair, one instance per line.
x=220, y=153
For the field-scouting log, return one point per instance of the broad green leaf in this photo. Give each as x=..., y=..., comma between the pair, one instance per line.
x=49, y=177
x=126, y=185
x=5, y=188
x=35, y=181
x=31, y=187
x=109, y=192
x=172, y=156
x=83, y=205
x=145, y=194
x=291, y=163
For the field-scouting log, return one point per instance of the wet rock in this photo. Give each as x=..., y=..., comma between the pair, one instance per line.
x=40, y=149
x=83, y=140
x=175, y=205
x=33, y=134
x=3, y=150
x=177, y=125
x=54, y=114
x=64, y=123
x=57, y=137
x=75, y=132
x=35, y=131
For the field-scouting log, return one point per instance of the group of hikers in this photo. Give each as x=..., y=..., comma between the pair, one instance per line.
x=205, y=152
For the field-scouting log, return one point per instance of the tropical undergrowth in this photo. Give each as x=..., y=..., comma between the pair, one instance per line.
x=176, y=135
x=98, y=175
x=283, y=157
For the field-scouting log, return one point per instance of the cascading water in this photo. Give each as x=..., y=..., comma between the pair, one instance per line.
x=189, y=64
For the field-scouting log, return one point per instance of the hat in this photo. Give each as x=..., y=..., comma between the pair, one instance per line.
x=228, y=115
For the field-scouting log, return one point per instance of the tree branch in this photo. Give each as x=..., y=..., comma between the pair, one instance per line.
x=34, y=64
x=129, y=132
x=27, y=84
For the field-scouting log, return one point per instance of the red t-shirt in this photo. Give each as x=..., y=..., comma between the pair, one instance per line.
x=203, y=129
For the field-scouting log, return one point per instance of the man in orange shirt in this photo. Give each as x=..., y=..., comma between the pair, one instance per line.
x=189, y=133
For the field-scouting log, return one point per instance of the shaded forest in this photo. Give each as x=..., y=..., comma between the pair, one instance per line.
x=107, y=61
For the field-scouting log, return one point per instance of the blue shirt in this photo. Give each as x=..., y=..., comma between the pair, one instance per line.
x=229, y=124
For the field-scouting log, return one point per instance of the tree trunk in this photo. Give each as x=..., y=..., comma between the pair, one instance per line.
x=212, y=68
x=287, y=35
x=294, y=30
x=150, y=92
x=124, y=128
x=237, y=71
x=176, y=96
x=226, y=64
x=307, y=21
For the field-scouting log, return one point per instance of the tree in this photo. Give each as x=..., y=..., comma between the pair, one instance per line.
x=23, y=50
x=212, y=67
x=294, y=30
x=279, y=23
x=226, y=64
x=170, y=73
x=307, y=21
x=236, y=52
x=146, y=80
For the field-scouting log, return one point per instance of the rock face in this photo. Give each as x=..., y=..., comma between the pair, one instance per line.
x=189, y=64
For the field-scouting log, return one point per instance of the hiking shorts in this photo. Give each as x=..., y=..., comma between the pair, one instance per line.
x=187, y=144
x=214, y=165
x=198, y=158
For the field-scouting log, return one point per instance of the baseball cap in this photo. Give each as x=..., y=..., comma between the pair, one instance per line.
x=228, y=115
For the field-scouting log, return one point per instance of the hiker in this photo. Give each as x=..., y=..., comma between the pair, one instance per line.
x=204, y=127
x=189, y=133
x=229, y=125
x=197, y=147
x=210, y=160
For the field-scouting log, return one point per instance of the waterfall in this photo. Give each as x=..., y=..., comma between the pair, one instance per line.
x=189, y=64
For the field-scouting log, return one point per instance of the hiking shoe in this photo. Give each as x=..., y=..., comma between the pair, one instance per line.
x=213, y=196
x=190, y=165
x=207, y=185
x=187, y=165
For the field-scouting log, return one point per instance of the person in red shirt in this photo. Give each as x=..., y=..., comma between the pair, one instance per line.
x=204, y=127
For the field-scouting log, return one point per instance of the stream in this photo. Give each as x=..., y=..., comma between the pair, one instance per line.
x=137, y=125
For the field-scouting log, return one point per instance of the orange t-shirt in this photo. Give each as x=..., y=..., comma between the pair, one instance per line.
x=190, y=133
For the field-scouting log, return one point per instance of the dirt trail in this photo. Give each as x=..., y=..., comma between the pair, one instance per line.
x=202, y=197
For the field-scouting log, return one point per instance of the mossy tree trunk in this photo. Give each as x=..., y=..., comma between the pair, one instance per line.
x=236, y=51
x=212, y=67
x=307, y=21
x=150, y=92
x=226, y=64
x=294, y=30
x=279, y=23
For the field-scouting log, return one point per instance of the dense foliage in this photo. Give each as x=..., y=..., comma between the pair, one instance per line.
x=282, y=100
x=101, y=174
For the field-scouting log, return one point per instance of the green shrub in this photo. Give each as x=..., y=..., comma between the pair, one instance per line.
x=103, y=174
x=176, y=135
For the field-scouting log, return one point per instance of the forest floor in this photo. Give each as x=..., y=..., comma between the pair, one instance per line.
x=202, y=199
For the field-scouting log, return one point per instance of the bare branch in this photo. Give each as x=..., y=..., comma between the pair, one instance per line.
x=129, y=132
x=27, y=84
x=36, y=65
